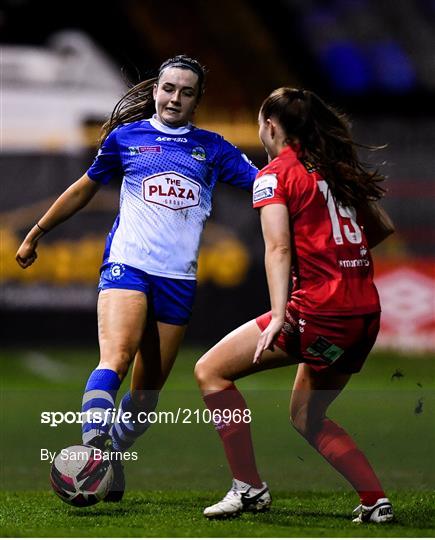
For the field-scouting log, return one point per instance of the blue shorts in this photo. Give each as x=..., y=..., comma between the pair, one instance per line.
x=170, y=300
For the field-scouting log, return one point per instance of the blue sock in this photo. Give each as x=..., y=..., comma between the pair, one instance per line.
x=100, y=395
x=124, y=433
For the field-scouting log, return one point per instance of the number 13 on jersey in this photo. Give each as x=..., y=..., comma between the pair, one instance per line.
x=352, y=231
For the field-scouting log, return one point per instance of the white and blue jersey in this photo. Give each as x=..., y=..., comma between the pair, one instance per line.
x=166, y=193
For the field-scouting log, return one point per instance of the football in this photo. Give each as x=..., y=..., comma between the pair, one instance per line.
x=81, y=476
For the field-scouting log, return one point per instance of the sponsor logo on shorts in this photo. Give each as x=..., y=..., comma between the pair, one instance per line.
x=172, y=190
x=325, y=350
x=134, y=150
x=117, y=270
x=199, y=153
x=264, y=187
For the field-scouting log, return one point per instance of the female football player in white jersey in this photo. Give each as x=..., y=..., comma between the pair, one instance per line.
x=169, y=169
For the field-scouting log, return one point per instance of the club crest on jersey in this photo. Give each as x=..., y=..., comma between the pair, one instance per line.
x=117, y=270
x=199, y=153
x=134, y=150
x=172, y=190
x=264, y=187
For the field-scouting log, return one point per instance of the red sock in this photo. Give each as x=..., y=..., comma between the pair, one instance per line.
x=335, y=445
x=235, y=435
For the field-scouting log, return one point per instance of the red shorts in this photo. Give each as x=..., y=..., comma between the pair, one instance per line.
x=323, y=341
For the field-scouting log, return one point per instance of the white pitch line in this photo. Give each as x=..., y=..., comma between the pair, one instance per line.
x=44, y=366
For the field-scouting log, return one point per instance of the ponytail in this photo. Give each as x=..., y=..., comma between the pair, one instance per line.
x=325, y=140
x=136, y=104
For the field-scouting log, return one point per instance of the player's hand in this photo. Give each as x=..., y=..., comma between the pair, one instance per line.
x=26, y=254
x=267, y=338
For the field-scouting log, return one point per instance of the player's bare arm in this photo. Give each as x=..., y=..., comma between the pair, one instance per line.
x=276, y=233
x=71, y=201
x=377, y=223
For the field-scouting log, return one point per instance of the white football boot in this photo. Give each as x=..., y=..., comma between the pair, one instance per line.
x=380, y=512
x=240, y=498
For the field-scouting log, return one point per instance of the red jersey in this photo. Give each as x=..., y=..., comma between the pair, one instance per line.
x=332, y=270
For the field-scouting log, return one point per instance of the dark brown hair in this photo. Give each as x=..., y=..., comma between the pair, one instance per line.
x=325, y=141
x=138, y=102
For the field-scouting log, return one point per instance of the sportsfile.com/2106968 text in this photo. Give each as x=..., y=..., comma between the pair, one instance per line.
x=177, y=416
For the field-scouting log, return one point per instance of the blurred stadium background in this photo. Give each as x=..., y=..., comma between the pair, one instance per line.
x=61, y=77
x=63, y=67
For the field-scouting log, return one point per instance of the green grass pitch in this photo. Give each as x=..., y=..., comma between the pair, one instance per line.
x=389, y=409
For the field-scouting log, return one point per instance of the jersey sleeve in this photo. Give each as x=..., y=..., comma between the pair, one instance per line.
x=235, y=168
x=269, y=189
x=107, y=162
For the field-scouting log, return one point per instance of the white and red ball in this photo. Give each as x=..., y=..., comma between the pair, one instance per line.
x=81, y=476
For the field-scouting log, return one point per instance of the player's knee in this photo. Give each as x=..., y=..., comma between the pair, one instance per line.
x=204, y=373
x=201, y=373
x=117, y=360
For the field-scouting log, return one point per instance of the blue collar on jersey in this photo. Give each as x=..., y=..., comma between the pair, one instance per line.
x=166, y=129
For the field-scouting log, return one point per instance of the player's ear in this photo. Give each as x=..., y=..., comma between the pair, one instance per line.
x=155, y=90
x=271, y=127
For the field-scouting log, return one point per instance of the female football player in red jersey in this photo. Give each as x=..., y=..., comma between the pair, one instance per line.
x=169, y=169
x=319, y=218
